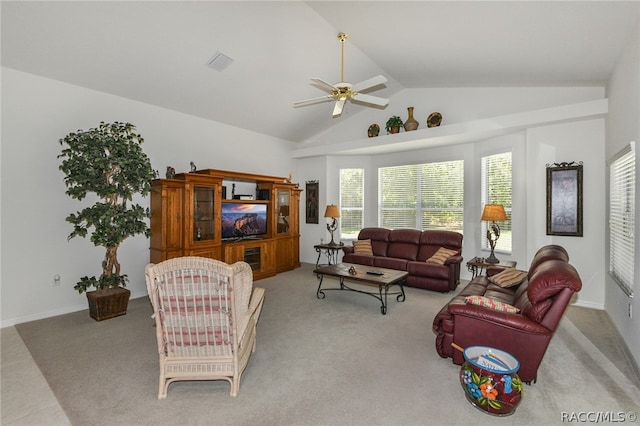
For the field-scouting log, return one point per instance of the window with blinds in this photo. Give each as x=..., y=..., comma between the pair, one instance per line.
x=496, y=188
x=622, y=189
x=422, y=196
x=351, y=202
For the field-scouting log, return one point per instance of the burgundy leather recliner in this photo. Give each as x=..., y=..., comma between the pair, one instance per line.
x=542, y=298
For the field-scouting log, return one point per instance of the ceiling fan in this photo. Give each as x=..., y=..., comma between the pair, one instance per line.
x=342, y=91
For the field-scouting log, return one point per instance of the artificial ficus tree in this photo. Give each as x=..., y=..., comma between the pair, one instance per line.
x=109, y=162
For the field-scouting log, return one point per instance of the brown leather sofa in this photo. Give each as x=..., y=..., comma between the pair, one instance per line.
x=408, y=250
x=542, y=299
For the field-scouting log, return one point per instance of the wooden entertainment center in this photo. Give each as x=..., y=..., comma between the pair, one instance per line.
x=187, y=219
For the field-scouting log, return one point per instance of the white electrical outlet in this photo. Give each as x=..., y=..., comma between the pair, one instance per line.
x=56, y=280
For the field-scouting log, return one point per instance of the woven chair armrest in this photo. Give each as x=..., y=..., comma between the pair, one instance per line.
x=255, y=307
x=255, y=304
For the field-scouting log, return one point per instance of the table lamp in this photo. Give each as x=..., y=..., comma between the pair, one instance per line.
x=333, y=212
x=493, y=213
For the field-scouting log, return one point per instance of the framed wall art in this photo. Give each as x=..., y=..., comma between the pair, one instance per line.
x=311, y=201
x=564, y=199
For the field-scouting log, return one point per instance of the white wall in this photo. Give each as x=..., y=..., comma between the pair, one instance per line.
x=623, y=126
x=36, y=113
x=580, y=142
x=457, y=105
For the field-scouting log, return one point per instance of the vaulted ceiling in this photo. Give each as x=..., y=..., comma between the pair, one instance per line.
x=157, y=51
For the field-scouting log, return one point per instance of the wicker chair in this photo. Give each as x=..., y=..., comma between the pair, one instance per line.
x=205, y=313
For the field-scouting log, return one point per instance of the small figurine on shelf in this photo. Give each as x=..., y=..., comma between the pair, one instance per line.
x=193, y=167
x=171, y=172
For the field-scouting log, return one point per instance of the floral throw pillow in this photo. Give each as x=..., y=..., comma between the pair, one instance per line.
x=441, y=256
x=491, y=304
x=363, y=247
x=508, y=278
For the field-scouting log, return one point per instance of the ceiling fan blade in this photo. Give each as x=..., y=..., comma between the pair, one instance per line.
x=313, y=101
x=368, y=99
x=337, y=110
x=373, y=81
x=323, y=84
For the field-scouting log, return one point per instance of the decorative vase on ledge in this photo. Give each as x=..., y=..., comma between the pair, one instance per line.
x=373, y=131
x=411, y=123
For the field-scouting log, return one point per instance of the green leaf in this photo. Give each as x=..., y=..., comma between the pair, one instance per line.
x=107, y=161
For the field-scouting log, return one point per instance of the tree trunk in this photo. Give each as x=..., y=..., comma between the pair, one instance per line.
x=110, y=264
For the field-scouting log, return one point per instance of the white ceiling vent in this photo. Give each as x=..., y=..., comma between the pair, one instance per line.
x=220, y=61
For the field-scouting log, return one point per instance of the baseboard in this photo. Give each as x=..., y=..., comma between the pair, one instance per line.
x=627, y=352
x=54, y=313
x=591, y=305
x=42, y=315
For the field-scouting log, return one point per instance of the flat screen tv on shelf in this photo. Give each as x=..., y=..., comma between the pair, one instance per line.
x=243, y=220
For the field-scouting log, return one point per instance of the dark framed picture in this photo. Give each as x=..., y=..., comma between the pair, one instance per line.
x=564, y=199
x=311, y=201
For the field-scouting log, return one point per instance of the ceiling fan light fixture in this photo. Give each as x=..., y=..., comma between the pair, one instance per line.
x=343, y=91
x=219, y=62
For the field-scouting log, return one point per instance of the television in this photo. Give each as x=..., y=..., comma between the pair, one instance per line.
x=243, y=220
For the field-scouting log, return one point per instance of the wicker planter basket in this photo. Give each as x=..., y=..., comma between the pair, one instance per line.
x=108, y=303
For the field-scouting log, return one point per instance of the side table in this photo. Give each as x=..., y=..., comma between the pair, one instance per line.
x=478, y=264
x=331, y=251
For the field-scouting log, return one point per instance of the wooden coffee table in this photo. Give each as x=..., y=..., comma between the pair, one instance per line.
x=361, y=274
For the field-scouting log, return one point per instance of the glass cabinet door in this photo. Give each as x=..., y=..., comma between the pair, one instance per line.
x=283, y=201
x=203, y=228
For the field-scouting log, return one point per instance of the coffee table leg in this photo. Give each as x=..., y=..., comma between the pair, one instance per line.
x=401, y=297
x=320, y=294
x=383, y=308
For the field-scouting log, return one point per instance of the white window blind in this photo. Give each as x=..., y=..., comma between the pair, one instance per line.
x=622, y=189
x=425, y=196
x=351, y=202
x=496, y=188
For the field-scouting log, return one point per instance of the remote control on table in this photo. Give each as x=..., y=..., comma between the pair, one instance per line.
x=376, y=272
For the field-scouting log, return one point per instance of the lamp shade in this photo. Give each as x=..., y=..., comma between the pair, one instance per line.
x=332, y=211
x=494, y=213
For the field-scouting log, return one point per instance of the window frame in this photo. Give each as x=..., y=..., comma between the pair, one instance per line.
x=344, y=209
x=622, y=189
x=486, y=198
x=420, y=212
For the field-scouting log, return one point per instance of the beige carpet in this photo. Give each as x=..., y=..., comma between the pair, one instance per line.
x=336, y=361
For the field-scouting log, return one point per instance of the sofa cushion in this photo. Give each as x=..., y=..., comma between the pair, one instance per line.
x=442, y=255
x=404, y=243
x=431, y=270
x=379, y=239
x=549, y=252
x=491, y=304
x=539, y=310
x=390, y=263
x=508, y=277
x=550, y=278
x=432, y=240
x=363, y=247
x=360, y=259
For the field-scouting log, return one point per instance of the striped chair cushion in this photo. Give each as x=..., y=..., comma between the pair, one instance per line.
x=491, y=304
